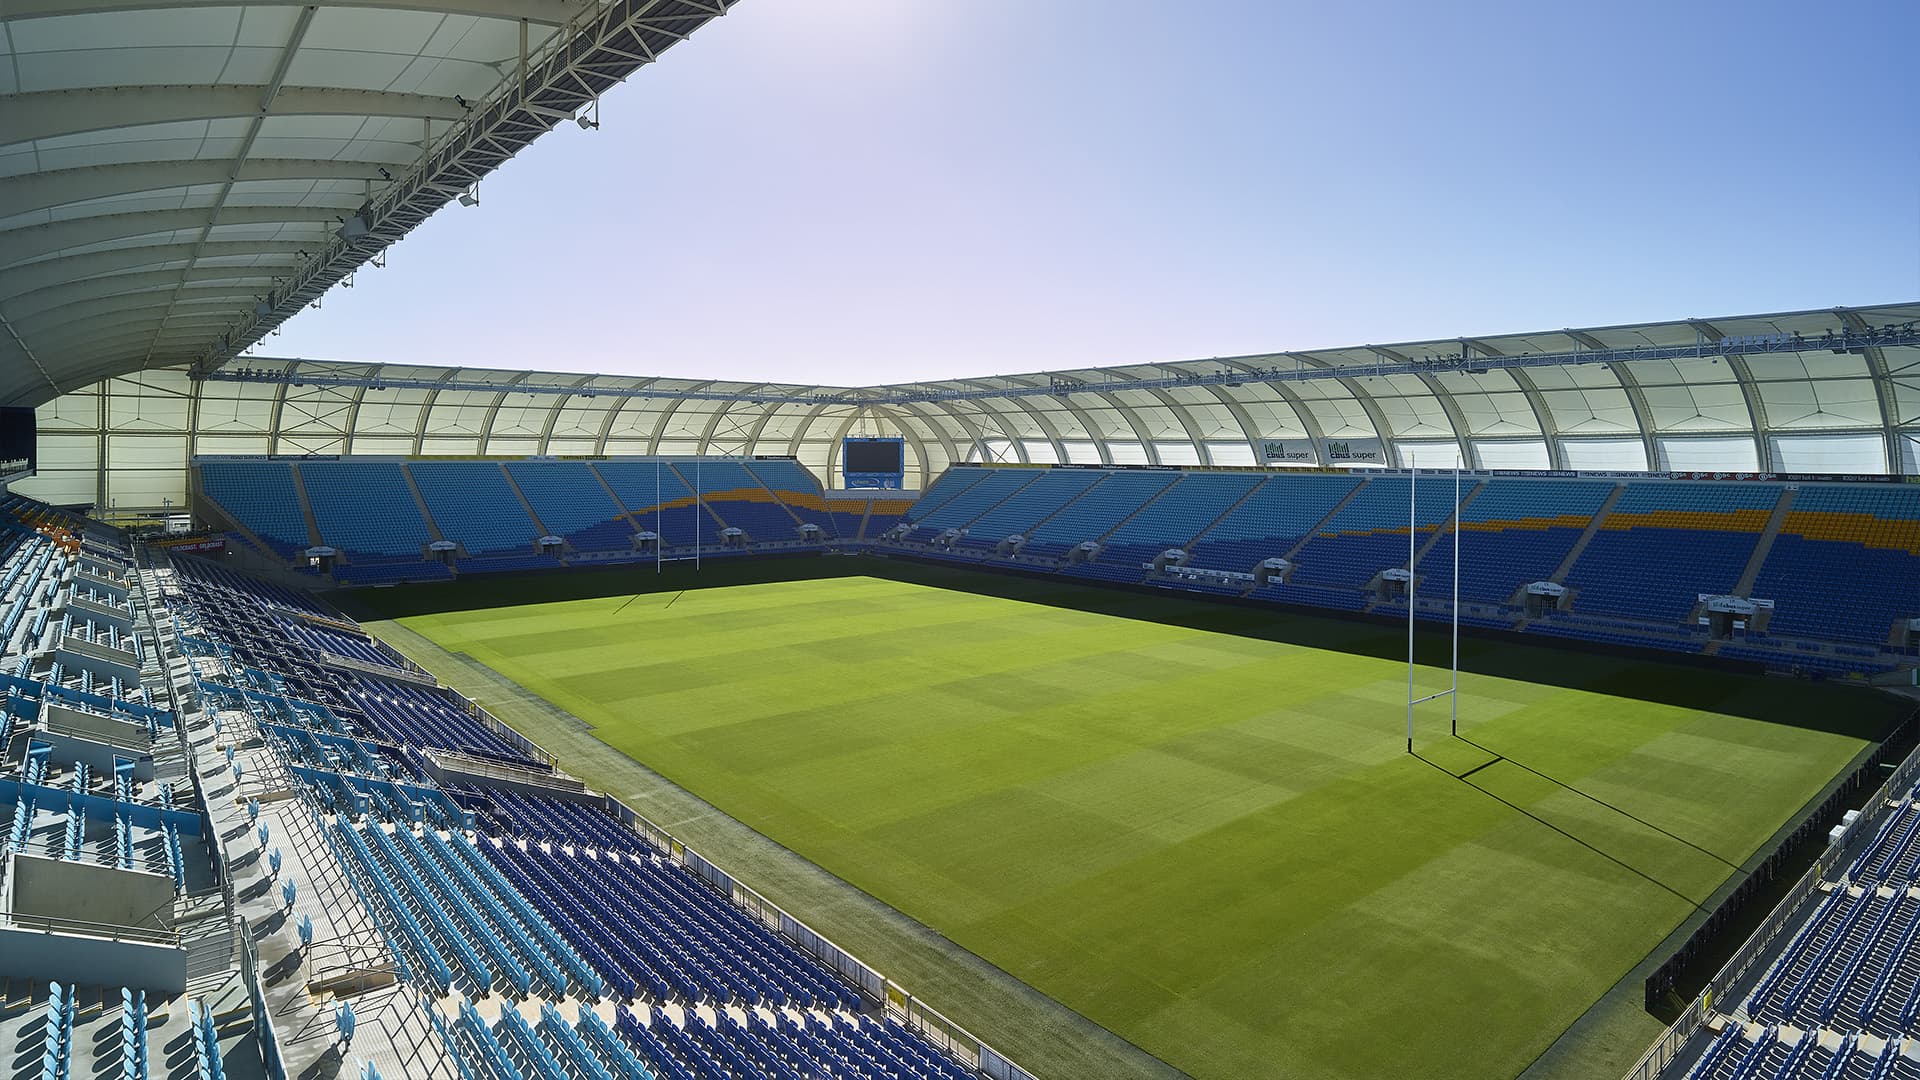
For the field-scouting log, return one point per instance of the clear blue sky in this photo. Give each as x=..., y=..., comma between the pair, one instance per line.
x=862, y=191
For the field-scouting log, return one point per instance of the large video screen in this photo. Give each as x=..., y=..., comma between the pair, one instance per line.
x=871, y=456
x=18, y=438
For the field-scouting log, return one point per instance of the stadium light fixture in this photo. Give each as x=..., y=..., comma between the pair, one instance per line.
x=471, y=196
x=589, y=120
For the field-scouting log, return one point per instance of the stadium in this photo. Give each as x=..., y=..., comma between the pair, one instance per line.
x=1535, y=704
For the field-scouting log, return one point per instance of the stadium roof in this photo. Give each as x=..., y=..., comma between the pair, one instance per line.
x=177, y=178
x=1834, y=390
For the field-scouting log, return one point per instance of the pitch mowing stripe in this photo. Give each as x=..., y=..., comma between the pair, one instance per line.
x=1211, y=844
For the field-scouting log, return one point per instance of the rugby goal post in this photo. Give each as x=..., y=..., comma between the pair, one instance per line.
x=1452, y=692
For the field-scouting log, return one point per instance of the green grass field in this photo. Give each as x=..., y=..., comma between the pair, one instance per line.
x=1180, y=820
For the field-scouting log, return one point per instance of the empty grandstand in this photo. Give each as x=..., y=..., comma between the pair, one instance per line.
x=1534, y=705
x=482, y=872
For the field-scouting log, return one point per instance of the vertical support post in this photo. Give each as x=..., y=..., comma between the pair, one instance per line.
x=523, y=61
x=697, y=511
x=1453, y=695
x=659, y=518
x=1413, y=475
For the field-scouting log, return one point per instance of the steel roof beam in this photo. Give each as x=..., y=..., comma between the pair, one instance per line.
x=1883, y=387
x=68, y=337
x=65, y=187
x=564, y=74
x=542, y=12
x=268, y=98
x=51, y=297
x=80, y=311
x=93, y=264
x=47, y=114
x=19, y=247
x=1308, y=372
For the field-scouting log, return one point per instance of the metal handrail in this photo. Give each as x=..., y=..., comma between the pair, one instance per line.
x=53, y=924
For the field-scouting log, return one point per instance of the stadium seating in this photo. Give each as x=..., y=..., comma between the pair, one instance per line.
x=494, y=891
x=260, y=495
x=798, y=490
x=572, y=502
x=1272, y=520
x=1181, y=513
x=1664, y=543
x=473, y=505
x=1637, y=554
x=1369, y=533
x=660, y=501
x=735, y=495
x=498, y=511
x=1053, y=491
x=948, y=486
x=365, y=509
x=1513, y=531
x=968, y=499
x=1846, y=564
x=1118, y=496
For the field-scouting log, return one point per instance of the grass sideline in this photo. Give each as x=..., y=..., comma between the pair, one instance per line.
x=1176, y=817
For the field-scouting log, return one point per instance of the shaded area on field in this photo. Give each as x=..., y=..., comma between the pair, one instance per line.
x=1178, y=819
x=1838, y=709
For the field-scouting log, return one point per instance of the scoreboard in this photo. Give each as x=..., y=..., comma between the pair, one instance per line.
x=873, y=463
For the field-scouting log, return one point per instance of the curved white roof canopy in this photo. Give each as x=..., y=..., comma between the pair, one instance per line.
x=1798, y=409
x=175, y=176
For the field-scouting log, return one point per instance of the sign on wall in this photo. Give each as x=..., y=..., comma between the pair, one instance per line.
x=1287, y=451
x=1355, y=452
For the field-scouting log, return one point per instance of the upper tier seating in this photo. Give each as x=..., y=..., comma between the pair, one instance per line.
x=660, y=501
x=1369, y=534
x=733, y=493
x=1051, y=492
x=260, y=495
x=571, y=502
x=1271, y=521
x=474, y=506
x=1664, y=543
x=1513, y=532
x=365, y=509
x=1095, y=513
x=1180, y=513
x=969, y=502
x=946, y=487
x=1846, y=563
x=797, y=488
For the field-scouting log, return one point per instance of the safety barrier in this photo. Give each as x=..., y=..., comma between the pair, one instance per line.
x=1666, y=1048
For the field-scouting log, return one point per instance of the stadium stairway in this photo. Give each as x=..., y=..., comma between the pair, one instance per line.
x=1559, y=575
x=1452, y=524
x=525, y=504
x=1744, y=587
x=470, y=927
x=306, y=505
x=420, y=503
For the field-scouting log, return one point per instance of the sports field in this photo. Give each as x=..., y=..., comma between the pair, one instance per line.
x=1180, y=820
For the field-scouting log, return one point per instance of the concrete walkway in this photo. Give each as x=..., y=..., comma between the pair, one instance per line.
x=391, y=1031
